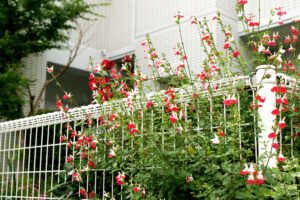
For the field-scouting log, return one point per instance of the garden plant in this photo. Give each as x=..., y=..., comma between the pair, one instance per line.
x=196, y=138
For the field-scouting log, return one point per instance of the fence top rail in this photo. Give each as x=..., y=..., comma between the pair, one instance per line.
x=80, y=113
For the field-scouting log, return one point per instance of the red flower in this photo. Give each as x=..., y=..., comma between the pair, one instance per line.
x=229, y=102
x=134, y=130
x=143, y=192
x=92, y=194
x=127, y=59
x=112, y=117
x=131, y=125
x=281, y=124
x=245, y=171
x=94, y=144
x=260, y=178
x=250, y=179
x=149, y=104
x=58, y=104
x=281, y=158
x=275, y=145
x=236, y=53
x=120, y=178
x=278, y=100
x=62, y=138
x=107, y=65
x=262, y=100
x=274, y=89
x=66, y=96
x=173, y=117
x=206, y=37
x=242, y=2
x=136, y=189
x=287, y=39
x=282, y=90
x=83, y=193
x=70, y=159
x=275, y=112
x=112, y=153
x=226, y=45
x=272, y=135
x=189, y=179
x=50, y=69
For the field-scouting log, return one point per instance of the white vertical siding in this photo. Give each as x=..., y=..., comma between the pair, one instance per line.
x=35, y=69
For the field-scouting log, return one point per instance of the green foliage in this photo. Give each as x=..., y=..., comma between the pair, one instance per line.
x=30, y=27
x=199, y=154
x=11, y=84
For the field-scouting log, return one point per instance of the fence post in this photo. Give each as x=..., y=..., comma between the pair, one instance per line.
x=266, y=80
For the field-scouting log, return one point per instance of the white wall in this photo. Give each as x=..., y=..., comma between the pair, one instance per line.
x=36, y=71
x=291, y=7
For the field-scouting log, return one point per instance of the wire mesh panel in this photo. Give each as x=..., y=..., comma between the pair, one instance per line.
x=33, y=154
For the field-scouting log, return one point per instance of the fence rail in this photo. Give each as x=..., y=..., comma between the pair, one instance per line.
x=32, y=154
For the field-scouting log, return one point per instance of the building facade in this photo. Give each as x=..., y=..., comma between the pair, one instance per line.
x=124, y=29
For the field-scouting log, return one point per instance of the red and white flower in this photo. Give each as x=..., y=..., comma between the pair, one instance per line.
x=291, y=48
x=275, y=145
x=112, y=153
x=245, y=171
x=50, y=69
x=281, y=158
x=136, y=189
x=287, y=39
x=281, y=124
x=251, y=169
x=260, y=178
x=94, y=144
x=250, y=179
x=120, y=178
x=189, y=178
x=173, y=117
x=230, y=100
x=67, y=95
x=70, y=159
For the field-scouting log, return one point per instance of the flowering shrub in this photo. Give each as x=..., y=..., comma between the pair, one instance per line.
x=196, y=142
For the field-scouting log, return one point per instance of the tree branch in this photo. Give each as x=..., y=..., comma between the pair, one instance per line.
x=72, y=56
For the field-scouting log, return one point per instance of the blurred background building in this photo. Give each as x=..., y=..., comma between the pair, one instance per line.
x=124, y=29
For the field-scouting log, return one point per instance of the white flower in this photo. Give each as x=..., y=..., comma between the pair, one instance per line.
x=281, y=50
x=215, y=140
x=261, y=48
x=251, y=169
x=299, y=57
x=279, y=58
